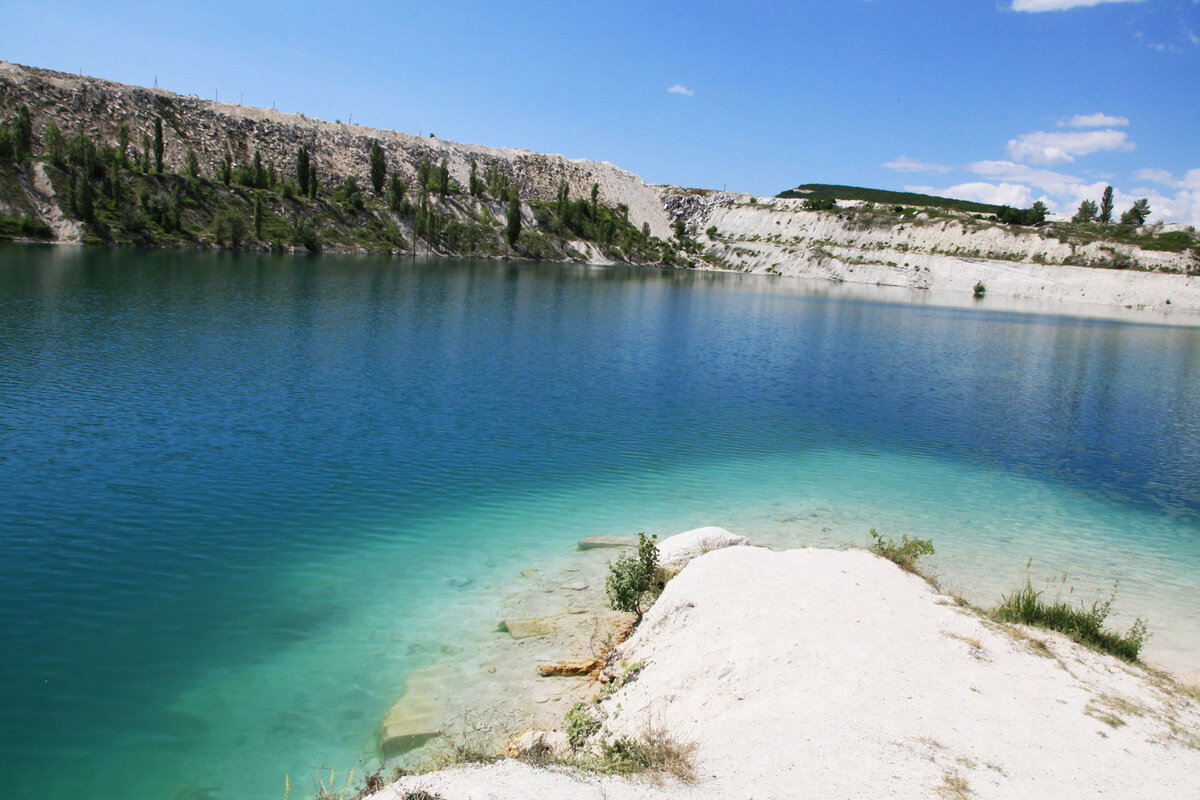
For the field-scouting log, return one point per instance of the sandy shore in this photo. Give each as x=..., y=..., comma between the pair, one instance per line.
x=820, y=673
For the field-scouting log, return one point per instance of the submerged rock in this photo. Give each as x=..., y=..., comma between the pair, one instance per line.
x=417, y=717
x=597, y=542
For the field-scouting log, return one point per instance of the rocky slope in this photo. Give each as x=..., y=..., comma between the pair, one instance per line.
x=1151, y=268
x=99, y=108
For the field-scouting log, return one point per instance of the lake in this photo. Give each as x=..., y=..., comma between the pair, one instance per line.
x=243, y=496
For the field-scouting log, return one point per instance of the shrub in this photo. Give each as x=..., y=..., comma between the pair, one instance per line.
x=631, y=577
x=904, y=553
x=582, y=723
x=1084, y=625
x=980, y=289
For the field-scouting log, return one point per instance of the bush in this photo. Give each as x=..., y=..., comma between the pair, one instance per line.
x=1084, y=625
x=980, y=289
x=904, y=553
x=631, y=577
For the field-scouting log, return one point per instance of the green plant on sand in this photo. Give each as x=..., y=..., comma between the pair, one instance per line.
x=904, y=553
x=1084, y=625
x=631, y=577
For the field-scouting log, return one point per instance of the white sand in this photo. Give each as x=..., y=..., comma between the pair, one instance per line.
x=818, y=673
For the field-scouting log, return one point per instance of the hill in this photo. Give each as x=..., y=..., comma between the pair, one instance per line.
x=825, y=191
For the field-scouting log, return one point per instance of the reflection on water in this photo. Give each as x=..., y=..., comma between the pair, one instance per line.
x=244, y=495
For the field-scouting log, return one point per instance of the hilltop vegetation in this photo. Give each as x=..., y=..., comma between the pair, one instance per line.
x=826, y=192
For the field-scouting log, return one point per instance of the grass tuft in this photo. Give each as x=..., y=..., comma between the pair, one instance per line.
x=1082, y=624
x=904, y=553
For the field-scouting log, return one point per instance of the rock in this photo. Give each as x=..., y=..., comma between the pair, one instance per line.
x=675, y=551
x=418, y=716
x=597, y=542
x=526, y=627
x=565, y=669
x=534, y=743
x=575, y=586
x=530, y=574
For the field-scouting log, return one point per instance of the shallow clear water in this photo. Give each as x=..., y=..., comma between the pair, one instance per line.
x=241, y=497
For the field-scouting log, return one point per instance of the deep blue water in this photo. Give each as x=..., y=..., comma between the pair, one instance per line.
x=240, y=495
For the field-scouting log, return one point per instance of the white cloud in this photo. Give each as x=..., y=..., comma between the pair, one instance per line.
x=1004, y=194
x=1156, y=175
x=906, y=164
x=679, y=88
x=1061, y=148
x=1096, y=120
x=1051, y=181
x=1036, y=6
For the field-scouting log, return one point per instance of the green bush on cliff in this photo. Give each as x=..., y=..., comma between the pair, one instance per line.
x=1084, y=625
x=631, y=577
x=904, y=553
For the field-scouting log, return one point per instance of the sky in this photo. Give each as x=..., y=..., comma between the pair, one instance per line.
x=1004, y=101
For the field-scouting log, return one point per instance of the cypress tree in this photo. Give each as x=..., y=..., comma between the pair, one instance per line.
x=85, y=198
x=313, y=186
x=396, y=193
x=513, y=229
x=272, y=178
x=23, y=133
x=193, y=164
x=302, y=169
x=123, y=142
x=473, y=184
x=54, y=144
x=158, y=146
x=443, y=179
x=227, y=168
x=259, y=176
x=595, y=200
x=1106, y=205
x=378, y=167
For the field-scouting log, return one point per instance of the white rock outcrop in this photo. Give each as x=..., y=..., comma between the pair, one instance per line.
x=819, y=673
x=676, y=551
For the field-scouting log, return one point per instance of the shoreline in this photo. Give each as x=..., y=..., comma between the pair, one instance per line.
x=719, y=641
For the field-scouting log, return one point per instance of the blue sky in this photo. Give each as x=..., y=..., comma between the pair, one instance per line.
x=995, y=100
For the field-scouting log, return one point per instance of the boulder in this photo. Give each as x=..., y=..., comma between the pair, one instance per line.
x=675, y=551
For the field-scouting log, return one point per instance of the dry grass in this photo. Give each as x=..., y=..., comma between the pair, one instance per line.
x=954, y=786
x=970, y=641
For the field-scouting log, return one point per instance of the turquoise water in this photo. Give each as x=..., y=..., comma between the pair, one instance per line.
x=243, y=496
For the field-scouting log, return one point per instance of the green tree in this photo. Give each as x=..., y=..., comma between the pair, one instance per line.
x=85, y=198
x=1086, y=213
x=680, y=229
x=424, y=169
x=302, y=169
x=443, y=179
x=314, y=186
x=595, y=200
x=474, y=185
x=158, y=146
x=396, y=193
x=54, y=144
x=512, y=230
x=23, y=133
x=631, y=577
x=227, y=168
x=123, y=142
x=258, y=216
x=1137, y=214
x=378, y=167
x=258, y=175
x=192, y=167
x=1106, y=205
